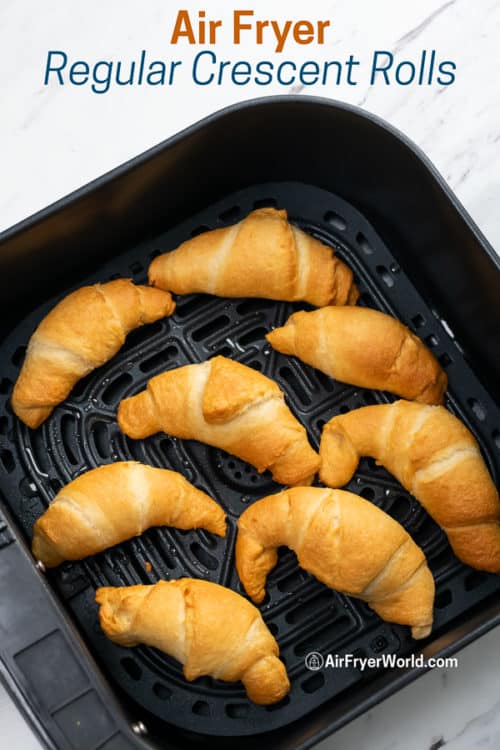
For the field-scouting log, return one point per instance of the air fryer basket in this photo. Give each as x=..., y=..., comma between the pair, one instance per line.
x=304, y=615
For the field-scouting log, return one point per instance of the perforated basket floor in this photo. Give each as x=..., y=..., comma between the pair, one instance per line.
x=303, y=614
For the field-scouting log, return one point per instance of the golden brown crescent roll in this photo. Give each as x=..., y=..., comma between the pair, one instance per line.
x=210, y=629
x=115, y=502
x=435, y=457
x=262, y=256
x=80, y=333
x=363, y=347
x=344, y=541
x=228, y=405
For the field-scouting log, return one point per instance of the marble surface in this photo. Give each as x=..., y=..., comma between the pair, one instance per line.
x=54, y=139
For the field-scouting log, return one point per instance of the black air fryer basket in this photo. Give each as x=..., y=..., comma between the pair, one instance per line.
x=358, y=185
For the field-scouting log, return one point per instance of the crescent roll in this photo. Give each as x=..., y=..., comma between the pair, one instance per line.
x=210, y=629
x=80, y=333
x=262, y=256
x=230, y=406
x=435, y=457
x=346, y=543
x=115, y=502
x=363, y=347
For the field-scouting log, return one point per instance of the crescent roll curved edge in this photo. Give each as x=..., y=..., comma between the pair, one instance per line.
x=261, y=256
x=82, y=332
x=227, y=405
x=210, y=629
x=115, y=502
x=345, y=542
x=363, y=347
x=435, y=457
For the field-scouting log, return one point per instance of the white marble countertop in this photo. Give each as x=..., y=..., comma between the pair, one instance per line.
x=54, y=139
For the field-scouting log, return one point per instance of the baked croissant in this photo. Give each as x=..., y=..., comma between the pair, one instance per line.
x=80, y=333
x=344, y=541
x=115, y=502
x=262, y=256
x=435, y=457
x=210, y=629
x=363, y=347
x=228, y=405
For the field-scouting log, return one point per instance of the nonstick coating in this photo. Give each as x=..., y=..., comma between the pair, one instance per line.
x=303, y=614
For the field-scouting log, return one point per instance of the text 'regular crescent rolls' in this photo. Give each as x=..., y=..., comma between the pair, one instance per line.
x=261, y=256
x=363, y=347
x=115, y=502
x=230, y=406
x=344, y=541
x=435, y=457
x=80, y=333
x=210, y=629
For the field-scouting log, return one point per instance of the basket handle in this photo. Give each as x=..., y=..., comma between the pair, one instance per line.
x=45, y=665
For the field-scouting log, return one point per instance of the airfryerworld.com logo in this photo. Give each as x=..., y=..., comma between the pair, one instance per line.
x=314, y=661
